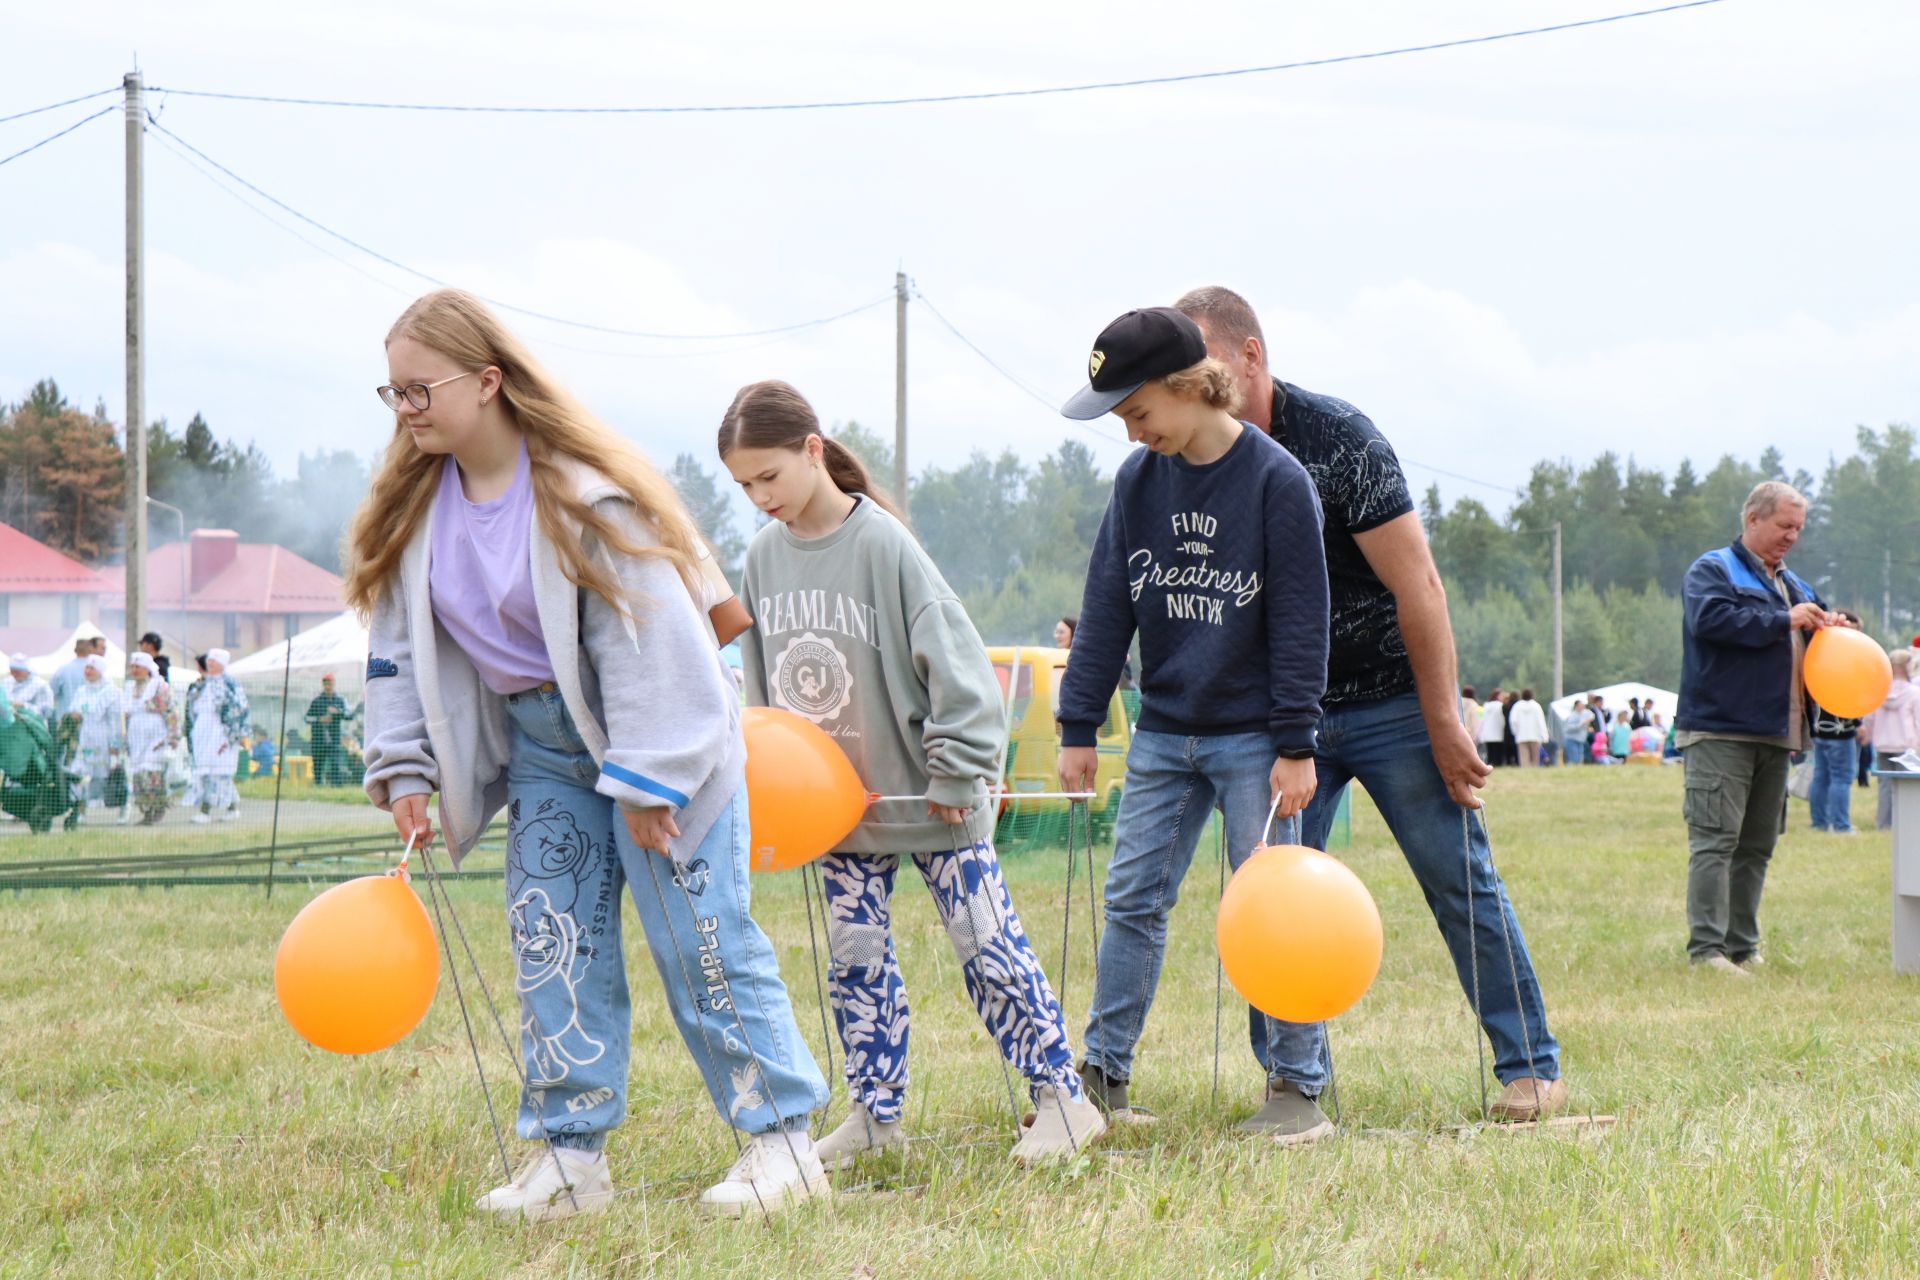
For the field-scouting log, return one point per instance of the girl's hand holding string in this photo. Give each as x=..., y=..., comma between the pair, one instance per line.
x=410, y=819
x=651, y=829
x=946, y=813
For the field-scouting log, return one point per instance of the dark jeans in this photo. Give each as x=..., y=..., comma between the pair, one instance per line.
x=1384, y=745
x=1736, y=808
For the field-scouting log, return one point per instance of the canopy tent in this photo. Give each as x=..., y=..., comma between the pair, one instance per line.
x=337, y=646
x=58, y=656
x=1616, y=697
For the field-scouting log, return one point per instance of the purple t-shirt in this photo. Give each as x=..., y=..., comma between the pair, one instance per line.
x=482, y=580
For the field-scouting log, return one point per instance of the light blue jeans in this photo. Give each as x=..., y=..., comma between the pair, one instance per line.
x=1831, y=795
x=1384, y=745
x=568, y=856
x=1173, y=784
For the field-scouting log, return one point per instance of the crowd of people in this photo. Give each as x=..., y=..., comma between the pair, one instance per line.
x=87, y=746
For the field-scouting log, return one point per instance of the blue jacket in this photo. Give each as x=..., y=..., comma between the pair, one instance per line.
x=1736, y=665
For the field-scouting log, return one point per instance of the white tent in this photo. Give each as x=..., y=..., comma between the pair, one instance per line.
x=1616, y=697
x=338, y=645
x=47, y=663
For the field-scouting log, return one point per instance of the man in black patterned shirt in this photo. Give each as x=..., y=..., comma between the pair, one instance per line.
x=1391, y=715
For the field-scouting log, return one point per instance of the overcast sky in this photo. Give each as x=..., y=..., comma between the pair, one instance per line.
x=1684, y=234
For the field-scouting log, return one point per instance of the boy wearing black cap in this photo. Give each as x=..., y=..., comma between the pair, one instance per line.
x=1211, y=549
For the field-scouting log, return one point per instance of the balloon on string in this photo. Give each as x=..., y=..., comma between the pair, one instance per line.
x=357, y=968
x=1846, y=672
x=1299, y=935
x=803, y=796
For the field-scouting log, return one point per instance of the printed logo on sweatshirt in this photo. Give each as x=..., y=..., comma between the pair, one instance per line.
x=1195, y=591
x=810, y=678
x=817, y=610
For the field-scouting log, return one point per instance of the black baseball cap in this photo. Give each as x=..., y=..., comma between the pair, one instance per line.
x=1140, y=346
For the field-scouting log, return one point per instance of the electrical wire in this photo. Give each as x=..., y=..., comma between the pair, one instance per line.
x=495, y=302
x=55, y=106
x=930, y=99
x=63, y=133
x=1000, y=369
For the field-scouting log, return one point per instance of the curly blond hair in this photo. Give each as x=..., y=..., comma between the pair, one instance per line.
x=1210, y=381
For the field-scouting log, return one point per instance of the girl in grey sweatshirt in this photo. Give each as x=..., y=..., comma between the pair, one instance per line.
x=855, y=629
x=535, y=646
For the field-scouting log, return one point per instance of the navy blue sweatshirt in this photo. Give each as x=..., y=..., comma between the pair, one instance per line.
x=1222, y=570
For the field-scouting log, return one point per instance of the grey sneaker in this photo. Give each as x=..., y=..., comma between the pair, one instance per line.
x=1289, y=1117
x=1754, y=961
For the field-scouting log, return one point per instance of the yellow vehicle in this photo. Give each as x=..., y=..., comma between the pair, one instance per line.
x=1030, y=677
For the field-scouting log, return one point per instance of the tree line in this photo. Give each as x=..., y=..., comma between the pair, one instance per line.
x=1013, y=536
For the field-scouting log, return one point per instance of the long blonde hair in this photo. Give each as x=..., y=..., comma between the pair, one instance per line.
x=555, y=426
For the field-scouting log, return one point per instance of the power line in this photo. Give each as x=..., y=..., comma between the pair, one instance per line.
x=63, y=133
x=1000, y=369
x=495, y=302
x=733, y=108
x=1508, y=489
x=55, y=106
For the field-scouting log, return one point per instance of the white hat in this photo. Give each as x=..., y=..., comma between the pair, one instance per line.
x=97, y=665
x=18, y=662
x=144, y=661
x=220, y=656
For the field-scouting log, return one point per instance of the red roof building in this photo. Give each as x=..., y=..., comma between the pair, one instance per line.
x=42, y=588
x=217, y=591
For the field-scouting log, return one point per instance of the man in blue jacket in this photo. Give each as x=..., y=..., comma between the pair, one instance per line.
x=1743, y=708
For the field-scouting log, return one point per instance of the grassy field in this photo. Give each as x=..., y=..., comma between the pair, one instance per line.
x=160, y=1118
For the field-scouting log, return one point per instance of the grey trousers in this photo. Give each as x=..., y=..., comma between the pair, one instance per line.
x=1736, y=808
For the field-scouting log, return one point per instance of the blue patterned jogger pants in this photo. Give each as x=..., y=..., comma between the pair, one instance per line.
x=1003, y=975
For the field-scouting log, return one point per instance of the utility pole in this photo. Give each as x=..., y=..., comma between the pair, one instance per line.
x=136, y=538
x=900, y=388
x=1559, y=653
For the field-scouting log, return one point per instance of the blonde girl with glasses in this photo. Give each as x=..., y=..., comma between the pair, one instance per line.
x=535, y=646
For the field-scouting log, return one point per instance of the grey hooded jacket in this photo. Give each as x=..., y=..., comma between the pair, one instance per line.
x=649, y=693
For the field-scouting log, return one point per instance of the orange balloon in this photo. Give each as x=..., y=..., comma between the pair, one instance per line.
x=1299, y=935
x=1846, y=672
x=358, y=966
x=803, y=796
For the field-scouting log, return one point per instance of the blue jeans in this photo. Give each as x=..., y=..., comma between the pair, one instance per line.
x=1173, y=784
x=1384, y=745
x=1832, y=793
x=1002, y=975
x=568, y=856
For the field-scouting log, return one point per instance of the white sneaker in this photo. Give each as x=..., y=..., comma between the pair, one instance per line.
x=857, y=1135
x=126, y=816
x=553, y=1183
x=202, y=819
x=231, y=815
x=1723, y=965
x=776, y=1170
x=1061, y=1127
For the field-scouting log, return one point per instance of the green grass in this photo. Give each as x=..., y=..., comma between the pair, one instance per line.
x=158, y=1117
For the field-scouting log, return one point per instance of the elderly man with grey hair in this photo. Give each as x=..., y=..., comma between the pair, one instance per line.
x=1743, y=708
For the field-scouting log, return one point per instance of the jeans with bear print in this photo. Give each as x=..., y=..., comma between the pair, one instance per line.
x=568, y=858
x=1003, y=976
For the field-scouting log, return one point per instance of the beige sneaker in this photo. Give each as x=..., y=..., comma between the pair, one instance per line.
x=859, y=1134
x=1720, y=964
x=1527, y=1099
x=1062, y=1127
x=1754, y=961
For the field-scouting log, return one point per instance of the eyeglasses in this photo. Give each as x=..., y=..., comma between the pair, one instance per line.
x=417, y=394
